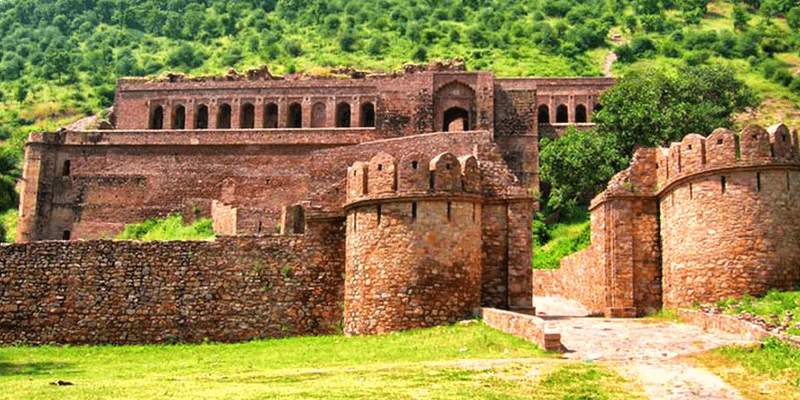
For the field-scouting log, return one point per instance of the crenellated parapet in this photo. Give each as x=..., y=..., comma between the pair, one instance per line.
x=415, y=175
x=755, y=147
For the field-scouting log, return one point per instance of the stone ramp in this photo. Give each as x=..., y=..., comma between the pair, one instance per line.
x=645, y=351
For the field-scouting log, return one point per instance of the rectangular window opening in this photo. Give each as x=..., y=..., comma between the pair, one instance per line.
x=788, y=185
x=473, y=211
x=414, y=211
x=66, y=170
x=691, y=194
x=432, y=180
x=758, y=181
x=379, y=214
x=722, y=183
x=66, y=235
x=355, y=221
x=449, y=211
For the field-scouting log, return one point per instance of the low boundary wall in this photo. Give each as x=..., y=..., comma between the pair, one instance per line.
x=124, y=292
x=524, y=326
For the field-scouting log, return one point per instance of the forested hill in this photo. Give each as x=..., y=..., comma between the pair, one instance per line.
x=59, y=59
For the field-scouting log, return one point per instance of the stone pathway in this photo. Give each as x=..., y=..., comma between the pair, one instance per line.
x=647, y=352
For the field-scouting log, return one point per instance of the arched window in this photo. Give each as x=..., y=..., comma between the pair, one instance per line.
x=201, y=117
x=318, y=115
x=544, y=114
x=224, y=116
x=367, y=115
x=157, y=118
x=247, y=116
x=343, y=115
x=271, y=116
x=597, y=107
x=562, y=115
x=179, y=118
x=295, y=116
x=580, y=113
x=455, y=119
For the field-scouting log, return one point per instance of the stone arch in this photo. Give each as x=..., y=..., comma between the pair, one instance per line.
x=294, y=118
x=455, y=119
x=580, y=113
x=157, y=118
x=224, y=116
x=247, y=116
x=470, y=176
x=458, y=101
x=318, y=115
x=201, y=117
x=343, y=115
x=543, y=114
x=562, y=113
x=271, y=116
x=367, y=115
x=179, y=117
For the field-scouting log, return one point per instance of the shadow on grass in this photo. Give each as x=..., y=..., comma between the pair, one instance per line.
x=35, y=368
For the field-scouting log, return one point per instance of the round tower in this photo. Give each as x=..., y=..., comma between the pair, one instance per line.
x=413, y=244
x=730, y=215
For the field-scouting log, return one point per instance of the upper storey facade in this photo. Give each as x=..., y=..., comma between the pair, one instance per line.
x=391, y=105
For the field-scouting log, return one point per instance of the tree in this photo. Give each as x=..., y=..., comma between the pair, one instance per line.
x=740, y=18
x=577, y=167
x=653, y=107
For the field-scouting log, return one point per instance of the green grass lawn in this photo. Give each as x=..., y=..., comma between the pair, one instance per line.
x=442, y=362
x=767, y=371
x=775, y=303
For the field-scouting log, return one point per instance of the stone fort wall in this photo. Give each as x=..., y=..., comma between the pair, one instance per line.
x=730, y=215
x=413, y=242
x=703, y=220
x=121, y=292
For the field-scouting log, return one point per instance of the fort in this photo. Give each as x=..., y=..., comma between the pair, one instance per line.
x=369, y=204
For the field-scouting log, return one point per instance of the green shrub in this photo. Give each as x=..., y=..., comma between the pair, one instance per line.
x=169, y=228
x=549, y=257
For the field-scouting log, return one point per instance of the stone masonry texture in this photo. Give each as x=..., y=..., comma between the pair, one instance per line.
x=703, y=220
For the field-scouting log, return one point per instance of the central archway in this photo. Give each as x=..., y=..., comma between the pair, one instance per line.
x=455, y=119
x=455, y=107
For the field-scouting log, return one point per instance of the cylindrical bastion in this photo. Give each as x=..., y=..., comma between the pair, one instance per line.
x=730, y=215
x=413, y=242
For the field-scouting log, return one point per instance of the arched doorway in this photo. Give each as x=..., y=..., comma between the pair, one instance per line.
x=544, y=114
x=343, y=115
x=368, y=115
x=179, y=118
x=455, y=107
x=201, y=117
x=562, y=114
x=224, y=116
x=157, y=118
x=247, y=116
x=271, y=116
x=455, y=119
x=580, y=113
x=295, y=116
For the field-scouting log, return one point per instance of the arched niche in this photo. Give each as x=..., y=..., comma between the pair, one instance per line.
x=543, y=115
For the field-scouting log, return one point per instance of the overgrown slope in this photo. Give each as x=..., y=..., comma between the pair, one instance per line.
x=59, y=59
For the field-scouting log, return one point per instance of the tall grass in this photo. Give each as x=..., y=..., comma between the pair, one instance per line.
x=170, y=228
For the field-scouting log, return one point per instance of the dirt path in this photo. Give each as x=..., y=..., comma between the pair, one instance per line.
x=647, y=352
x=610, y=58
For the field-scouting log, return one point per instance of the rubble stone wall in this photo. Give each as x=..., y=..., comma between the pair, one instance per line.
x=122, y=292
x=730, y=225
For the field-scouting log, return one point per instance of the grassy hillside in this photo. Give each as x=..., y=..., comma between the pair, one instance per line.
x=59, y=59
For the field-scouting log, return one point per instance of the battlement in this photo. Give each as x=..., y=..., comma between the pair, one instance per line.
x=413, y=175
x=723, y=149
